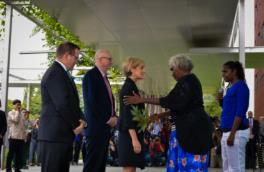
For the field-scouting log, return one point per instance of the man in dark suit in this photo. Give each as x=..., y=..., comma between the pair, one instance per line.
x=99, y=110
x=251, y=147
x=61, y=116
x=3, y=127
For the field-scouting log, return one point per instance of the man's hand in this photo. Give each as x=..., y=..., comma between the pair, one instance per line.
x=231, y=139
x=136, y=146
x=136, y=99
x=83, y=123
x=112, y=121
x=79, y=129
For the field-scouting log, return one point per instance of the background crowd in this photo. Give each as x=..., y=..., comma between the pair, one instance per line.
x=156, y=138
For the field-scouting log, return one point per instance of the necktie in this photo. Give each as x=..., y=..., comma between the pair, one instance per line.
x=70, y=76
x=109, y=93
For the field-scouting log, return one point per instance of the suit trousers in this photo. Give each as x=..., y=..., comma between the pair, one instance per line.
x=54, y=156
x=15, y=151
x=1, y=144
x=234, y=156
x=96, y=154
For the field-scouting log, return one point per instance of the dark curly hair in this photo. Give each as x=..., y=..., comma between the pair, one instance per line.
x=238, y=67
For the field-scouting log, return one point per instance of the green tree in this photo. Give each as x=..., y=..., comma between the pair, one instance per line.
x=55, y=34
x=35, y=101
x=213, y=108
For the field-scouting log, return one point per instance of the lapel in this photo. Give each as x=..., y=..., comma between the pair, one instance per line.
x=101, y=82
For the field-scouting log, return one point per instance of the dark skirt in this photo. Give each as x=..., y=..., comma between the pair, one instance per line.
x=126, y=154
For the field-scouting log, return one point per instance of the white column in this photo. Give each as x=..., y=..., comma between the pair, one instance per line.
x=28, y=96
x=250, y=77
x=250, y=23
x=242, y=55
x=6, y=63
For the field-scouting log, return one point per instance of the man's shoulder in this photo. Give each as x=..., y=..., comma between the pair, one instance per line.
x=11, y=113
x=54, y=70
x=92, y=73
x=2, y=112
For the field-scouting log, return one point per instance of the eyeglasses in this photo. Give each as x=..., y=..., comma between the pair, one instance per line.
x=108, y=58
x=76, y=57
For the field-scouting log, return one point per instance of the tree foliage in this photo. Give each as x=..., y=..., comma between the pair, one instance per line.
x=55, y=34
x=34, y=100
x=2, y=21
x=212, y=107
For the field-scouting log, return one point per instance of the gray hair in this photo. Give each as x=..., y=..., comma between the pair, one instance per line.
x=101, y=51
x=181, y=61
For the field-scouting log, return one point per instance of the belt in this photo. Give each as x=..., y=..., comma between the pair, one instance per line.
x=225, y=130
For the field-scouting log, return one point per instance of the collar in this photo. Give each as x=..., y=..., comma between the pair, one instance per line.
x=63, y=66
x=102, y=73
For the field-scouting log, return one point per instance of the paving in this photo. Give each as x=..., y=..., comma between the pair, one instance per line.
x=118, y=169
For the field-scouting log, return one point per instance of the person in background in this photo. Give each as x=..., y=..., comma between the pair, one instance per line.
x=157, y=127
x=83, y=146
x=261, y=129
x=3, y=128
x=251, y=147
x=33, y=151
x=17, y=137
x=157, y=151
x=216, y=160
x=28, y=126
x=113, y=156
x=234, y=123
x=146, y=145
x=77, y=145
x=165, y=135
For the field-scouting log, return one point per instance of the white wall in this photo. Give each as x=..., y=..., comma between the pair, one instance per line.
x=250, y=78
x=249, y=25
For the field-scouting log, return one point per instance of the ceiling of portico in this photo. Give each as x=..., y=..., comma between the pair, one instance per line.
x=153, y=30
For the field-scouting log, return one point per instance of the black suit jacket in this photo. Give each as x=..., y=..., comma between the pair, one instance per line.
x=125, y=121
x=193, y=126
x=3, y=125
x=97, y=104
x=60, y=108
x=255, y=130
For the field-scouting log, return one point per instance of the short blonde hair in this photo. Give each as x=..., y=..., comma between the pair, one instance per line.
x=131, y=63
x=181, y=61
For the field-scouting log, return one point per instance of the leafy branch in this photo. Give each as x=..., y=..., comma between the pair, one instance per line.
x=55, y=34
x=141, y=117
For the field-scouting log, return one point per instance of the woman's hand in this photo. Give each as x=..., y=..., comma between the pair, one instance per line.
x=231, y=139
x=135, y=99
x=136, y=146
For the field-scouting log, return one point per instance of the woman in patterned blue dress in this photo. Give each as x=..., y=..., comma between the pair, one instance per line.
x=191, y=134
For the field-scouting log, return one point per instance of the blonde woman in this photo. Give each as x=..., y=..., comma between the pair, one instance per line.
x=130, y=141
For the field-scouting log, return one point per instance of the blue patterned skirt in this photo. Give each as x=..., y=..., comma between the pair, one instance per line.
x=181, y=161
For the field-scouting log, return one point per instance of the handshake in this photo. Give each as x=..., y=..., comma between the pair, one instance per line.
x=79, y=129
